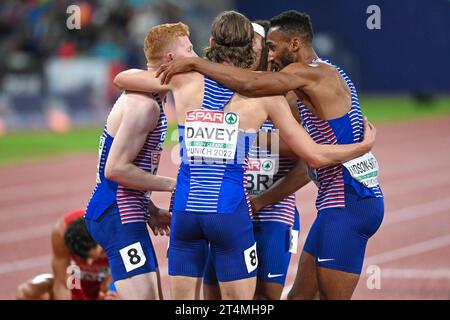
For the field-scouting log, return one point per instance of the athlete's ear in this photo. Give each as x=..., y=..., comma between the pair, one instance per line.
x=212, y=42
x=295, y=44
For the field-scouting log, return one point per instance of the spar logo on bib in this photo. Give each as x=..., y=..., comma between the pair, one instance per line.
x=231, y=118
x=267, y=165
x=205, y=116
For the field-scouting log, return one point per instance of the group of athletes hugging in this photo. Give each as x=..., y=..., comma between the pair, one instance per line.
x=259, y=117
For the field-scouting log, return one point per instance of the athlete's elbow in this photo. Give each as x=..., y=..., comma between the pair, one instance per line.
x=315, y=162
x=118, y=81
x=113, y=171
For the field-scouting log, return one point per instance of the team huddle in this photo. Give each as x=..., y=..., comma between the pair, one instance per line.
x=258, y=118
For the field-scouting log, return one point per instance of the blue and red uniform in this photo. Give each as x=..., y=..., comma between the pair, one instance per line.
x=117, y=216
x=349, y=212
x=211, y=205
x=273, y=225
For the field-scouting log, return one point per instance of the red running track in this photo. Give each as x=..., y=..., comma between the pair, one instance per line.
x=412, y=247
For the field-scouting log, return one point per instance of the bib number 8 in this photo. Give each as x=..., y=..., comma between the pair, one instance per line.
x=251, y=258
x=133, y=256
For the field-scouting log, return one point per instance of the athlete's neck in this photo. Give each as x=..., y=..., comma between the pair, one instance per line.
x=307, y=55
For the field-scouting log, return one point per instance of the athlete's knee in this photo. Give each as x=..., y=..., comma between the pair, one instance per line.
x=211, y=292
x=268, y=291
x=303, y=295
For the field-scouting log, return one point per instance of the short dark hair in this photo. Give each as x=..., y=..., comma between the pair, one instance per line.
x=294, y=23
x=78, y=239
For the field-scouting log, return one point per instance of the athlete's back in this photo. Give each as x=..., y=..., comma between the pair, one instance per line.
x=118, y=211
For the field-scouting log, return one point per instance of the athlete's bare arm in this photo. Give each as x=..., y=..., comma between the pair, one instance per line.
x=248, y=83
x=315, y=155
x=140, y=80
x=60, y=262
x=140, y=116
x=186, y=88
x=296, y=178
x=266, y=139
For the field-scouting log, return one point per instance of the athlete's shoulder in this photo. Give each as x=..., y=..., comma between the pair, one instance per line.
x=143, y=104
x=313, y=70
x=57, y=236
x=272, y=102
x=183, y=79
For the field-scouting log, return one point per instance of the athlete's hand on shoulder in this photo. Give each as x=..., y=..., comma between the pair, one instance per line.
x=159, y=221
x=369, y=134
x=180, y=65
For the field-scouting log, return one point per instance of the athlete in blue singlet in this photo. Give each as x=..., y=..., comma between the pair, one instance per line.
x=276, y=226
x=276, y=222
x=350, y=202
x=129, y=154
x=217, y=128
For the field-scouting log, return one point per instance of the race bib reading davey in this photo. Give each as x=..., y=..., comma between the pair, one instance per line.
x=211, y=134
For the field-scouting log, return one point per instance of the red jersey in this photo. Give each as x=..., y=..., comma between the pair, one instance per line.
x=91, y=275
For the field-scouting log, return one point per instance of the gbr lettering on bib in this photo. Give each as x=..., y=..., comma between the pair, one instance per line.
x=260, y=173
x=211, y=134
x=364, y=169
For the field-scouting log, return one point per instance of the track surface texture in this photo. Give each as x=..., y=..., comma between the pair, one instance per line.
x=411, y=247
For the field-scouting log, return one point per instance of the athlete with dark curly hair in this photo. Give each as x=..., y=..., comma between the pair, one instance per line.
x=80, y=266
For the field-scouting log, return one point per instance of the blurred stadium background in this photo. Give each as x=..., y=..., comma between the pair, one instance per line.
x=56, y=85
x=59, y=80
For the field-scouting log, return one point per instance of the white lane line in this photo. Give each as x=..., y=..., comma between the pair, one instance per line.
x=43, y=189
x=25, y=264
x=26, y=233
x=411, y=250
x=411, y=184
x=416, y=211
x=41, y=208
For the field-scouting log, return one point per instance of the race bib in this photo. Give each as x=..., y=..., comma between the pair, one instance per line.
x=364, y=169
x=156, y=156
x=251, y=258
x=101, y=145
x=211, y=134
x=293, y=240
x=260, y=174
x=133, y=256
